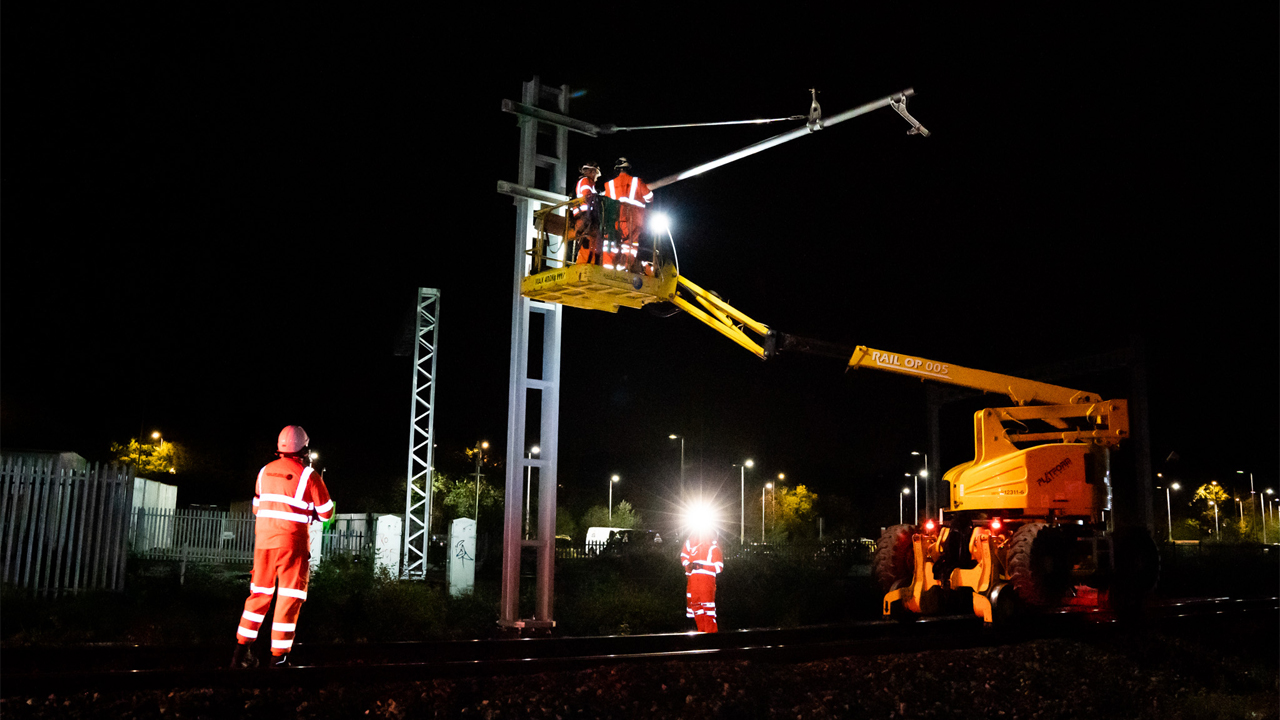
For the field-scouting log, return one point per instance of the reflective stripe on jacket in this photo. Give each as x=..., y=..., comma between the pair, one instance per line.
x=703, y=558
x=629, y=190
x=585, y=187
x=288, y=496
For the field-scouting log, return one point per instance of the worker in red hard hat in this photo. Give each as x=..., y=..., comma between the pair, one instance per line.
x=634, y=196
x=702, y=561
x=586, y=217
x=289, y=496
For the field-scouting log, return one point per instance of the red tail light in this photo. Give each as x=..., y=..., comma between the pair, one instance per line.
x=928, y=526
x=996, y=525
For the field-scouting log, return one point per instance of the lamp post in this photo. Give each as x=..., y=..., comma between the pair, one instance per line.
x=1251, y=492
x=924, y=474
x=673, y=436
x=1168, y=505
x=915, y=504
x=905, y=492
x=528, y=484
x=612, y=480
x=484, y=445
x=1215, y=519
x=767, y=486
x=1265, y=516
x=1241, y=508
x=742, y=501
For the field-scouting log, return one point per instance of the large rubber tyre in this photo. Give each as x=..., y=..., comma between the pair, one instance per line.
x=1137, y=569
x=894, y=561
x=1039, y=564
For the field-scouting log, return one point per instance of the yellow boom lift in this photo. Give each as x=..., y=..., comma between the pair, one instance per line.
x=1029, y=513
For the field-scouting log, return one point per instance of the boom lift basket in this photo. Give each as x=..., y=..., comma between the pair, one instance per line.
x=558, y=278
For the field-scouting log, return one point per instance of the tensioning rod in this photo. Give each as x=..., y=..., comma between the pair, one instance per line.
x=779, y=139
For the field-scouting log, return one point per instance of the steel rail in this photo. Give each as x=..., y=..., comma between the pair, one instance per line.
x=411, y=661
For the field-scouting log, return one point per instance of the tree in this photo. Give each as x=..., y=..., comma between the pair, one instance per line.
x=149, y=459
x=1213, y=494
x=457, y=495
x=624, y=516
x=795, y=510
x=564, y=522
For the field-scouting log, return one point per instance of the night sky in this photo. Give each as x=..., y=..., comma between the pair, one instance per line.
x=214, y=226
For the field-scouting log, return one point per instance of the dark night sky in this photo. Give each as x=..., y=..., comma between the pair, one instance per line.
x=214, y=226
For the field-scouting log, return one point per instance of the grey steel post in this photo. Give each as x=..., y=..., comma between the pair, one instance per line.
x=422, y=416
x=520, y=384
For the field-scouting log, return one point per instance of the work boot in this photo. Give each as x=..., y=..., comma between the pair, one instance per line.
x=280, y=661
x=243, y=658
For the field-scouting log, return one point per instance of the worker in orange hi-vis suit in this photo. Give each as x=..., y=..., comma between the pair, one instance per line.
x=586, y=217
x=702, y=562
x=634, y=196
x=289, y=496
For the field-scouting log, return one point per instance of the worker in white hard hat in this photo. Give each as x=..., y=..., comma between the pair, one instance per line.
x=289, y=496
x=634, y=196
x=586, y=217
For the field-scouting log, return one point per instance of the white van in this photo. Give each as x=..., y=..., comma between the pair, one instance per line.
x=598, y=536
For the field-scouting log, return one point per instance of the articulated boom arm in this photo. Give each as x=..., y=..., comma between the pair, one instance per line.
x=1021, y=391
x=1043, y=412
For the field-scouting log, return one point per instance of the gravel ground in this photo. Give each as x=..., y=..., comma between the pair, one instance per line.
x=1227, y=675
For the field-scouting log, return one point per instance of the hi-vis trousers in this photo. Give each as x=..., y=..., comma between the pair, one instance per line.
x=290, y=568
x=700, y=598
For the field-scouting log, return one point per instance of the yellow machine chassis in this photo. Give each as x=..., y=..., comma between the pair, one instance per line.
x=925, y=550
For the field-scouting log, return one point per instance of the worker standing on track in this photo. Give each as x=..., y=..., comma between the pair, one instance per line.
x=702, y=561
x=634, y=196
x=288, y=497
x=586, y=217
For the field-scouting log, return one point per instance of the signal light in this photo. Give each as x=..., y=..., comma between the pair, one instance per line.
x=928, y=526
x=995, y=524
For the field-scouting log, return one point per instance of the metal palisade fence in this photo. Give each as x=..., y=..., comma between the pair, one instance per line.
x=64, y=530
x=215, y=536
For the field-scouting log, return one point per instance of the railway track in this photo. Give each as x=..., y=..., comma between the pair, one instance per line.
x=129, y=667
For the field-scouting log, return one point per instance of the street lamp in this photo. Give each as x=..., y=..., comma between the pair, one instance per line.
x=924, y=474
x=1169, y=505
x=1241, y=508
x=1215, y=519
x=1251, y=492
x=484, y=445
x=762, y=489
x=915, y=504
x=742, y=501
x=1265, y=517
x=905, y=491
x=673, y=436
x=612, y=480
x=528, y=485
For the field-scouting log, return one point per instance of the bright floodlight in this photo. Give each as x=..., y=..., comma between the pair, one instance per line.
x=660, y=222
x=700, y=518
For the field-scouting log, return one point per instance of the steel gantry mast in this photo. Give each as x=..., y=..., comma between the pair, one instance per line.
x=422, y=415
x=534, y=381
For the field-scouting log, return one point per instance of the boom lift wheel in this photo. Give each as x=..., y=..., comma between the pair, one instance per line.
x=892, y=566
x=1039, y=563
